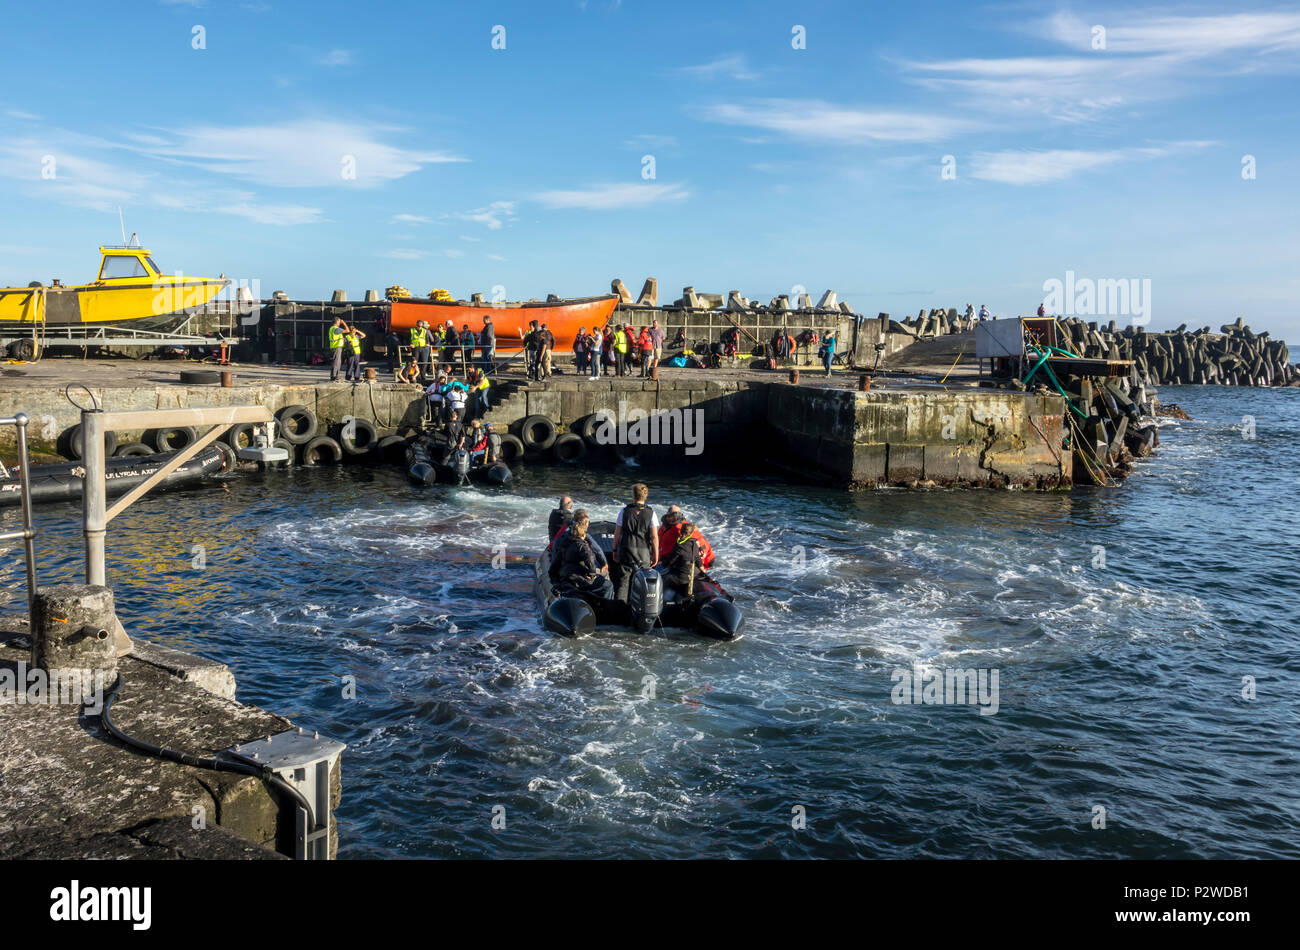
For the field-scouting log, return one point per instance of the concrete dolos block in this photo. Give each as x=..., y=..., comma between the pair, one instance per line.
x=649, y=293
x=829, y=301
x=616, y=286
x=73, y=629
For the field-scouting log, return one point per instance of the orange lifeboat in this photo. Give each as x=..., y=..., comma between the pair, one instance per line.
x=562, y=317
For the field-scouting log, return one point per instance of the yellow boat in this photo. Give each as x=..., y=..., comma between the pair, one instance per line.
x=130, y=291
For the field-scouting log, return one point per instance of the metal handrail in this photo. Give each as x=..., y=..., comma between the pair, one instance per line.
x=28, y=533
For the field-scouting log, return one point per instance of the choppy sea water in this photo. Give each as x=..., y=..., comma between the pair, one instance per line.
x=1121, y=624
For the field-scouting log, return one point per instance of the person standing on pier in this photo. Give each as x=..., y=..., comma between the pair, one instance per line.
x=636, y=539
x=827, y=352
x=657, y=338
x=548, y=347
x=354, y=338
x=420, y=349
x=984, y=313
x=487, y=348
x=647, y=348
x=595, y=341
x=580, y=351
x=337, y=332
x=621, y=346
x=467, y=344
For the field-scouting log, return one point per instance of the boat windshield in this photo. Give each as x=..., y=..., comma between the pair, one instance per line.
x=155, y=267
x=119, y=266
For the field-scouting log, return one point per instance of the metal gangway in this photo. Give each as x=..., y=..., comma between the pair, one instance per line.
x=27, y=533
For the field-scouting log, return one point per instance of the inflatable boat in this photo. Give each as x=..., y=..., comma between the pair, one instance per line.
x=61, y=481
x=425, y=465
x=651, y=602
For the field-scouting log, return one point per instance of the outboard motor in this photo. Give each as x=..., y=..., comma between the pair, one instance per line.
x=460, y=465
x=645, y=599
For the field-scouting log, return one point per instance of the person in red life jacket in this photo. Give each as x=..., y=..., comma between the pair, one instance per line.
x=636, y=539
x=671, y=529
x=647, y=348
x=476, y=440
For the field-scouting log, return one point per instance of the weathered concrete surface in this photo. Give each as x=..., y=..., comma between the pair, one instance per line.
x=919, y=437
x=67, y=785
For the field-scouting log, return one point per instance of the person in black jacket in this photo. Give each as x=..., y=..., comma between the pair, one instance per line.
x=577, y=563
x=560, y=516
x=487, y=348
x=685, y=562
x=636, y=539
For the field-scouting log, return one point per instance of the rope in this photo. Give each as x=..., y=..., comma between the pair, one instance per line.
x=950, y=368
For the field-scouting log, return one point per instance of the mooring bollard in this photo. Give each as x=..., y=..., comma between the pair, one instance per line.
x=371, y=376
x=73, y=629
x=227, y=380
x=864, y=383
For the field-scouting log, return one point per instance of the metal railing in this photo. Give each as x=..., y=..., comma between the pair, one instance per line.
x=28, y=533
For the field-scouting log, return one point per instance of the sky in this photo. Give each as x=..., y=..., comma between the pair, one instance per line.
x=905, y=155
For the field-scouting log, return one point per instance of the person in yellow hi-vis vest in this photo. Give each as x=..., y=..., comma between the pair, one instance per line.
x=621, y=346
x=337, y=332
x=420, y=348
x=354, y=338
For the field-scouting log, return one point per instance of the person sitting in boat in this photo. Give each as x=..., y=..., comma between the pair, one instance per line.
x=578, y=563
x=561, y=517
x=670, y=529
x=684, y=563
x=478, y=443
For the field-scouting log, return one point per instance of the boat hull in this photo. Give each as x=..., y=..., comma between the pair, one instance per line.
x=563, y=318
x=59, y=483
x=146, y=306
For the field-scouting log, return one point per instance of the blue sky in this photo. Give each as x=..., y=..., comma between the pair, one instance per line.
x=774, y=166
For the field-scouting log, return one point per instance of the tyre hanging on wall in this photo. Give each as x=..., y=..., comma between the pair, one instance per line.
x=569, y=448
x=512, y=449
x=288, y=447
x=73, y=448
x=171, y=440
x=133, y=450
x=240, y=435
x=297, y=424
x=537, y=433
x=357, y=437
x=321, y=450
x=392, y=449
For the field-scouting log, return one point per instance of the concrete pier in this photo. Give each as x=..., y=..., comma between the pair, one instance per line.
x=70, y=790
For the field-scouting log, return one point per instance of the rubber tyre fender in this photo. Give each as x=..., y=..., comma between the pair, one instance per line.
x=321, y=450
x=73, y=447
x=133, y=450
x=392, y=449
x=240, y=435
x=537, y=433
x=200, y=377
x=164, y=440
x=288, y=447
x=24, y=350
x=569, y=448
x=512, y=449
x=292, y=415
x=364, y=439
x=589, y=425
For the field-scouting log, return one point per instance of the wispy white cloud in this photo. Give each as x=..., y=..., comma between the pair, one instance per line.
x=1183, y=36
x=1040, y=166
x=404, y=254
x=301, y=153
x=495, y=257
x=733, y=66
x=336, y=57
x=473, y=240
x=494, y=216
x=409, y=219
x=612, y=196
x=815, y=121
x=650, y=141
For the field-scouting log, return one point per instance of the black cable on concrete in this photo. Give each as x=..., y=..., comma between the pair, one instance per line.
x=240, y=765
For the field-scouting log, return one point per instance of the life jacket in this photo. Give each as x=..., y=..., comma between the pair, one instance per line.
x=419, y=336
x=668, y=537
x=481, y=444
x=634, y=544
x=336, y=338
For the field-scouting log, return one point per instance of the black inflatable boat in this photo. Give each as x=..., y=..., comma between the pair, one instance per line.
x=59, y=483
x=425, y=466
x=651, y=602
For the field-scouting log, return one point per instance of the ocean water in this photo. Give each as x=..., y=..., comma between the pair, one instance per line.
x=1145, y=640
